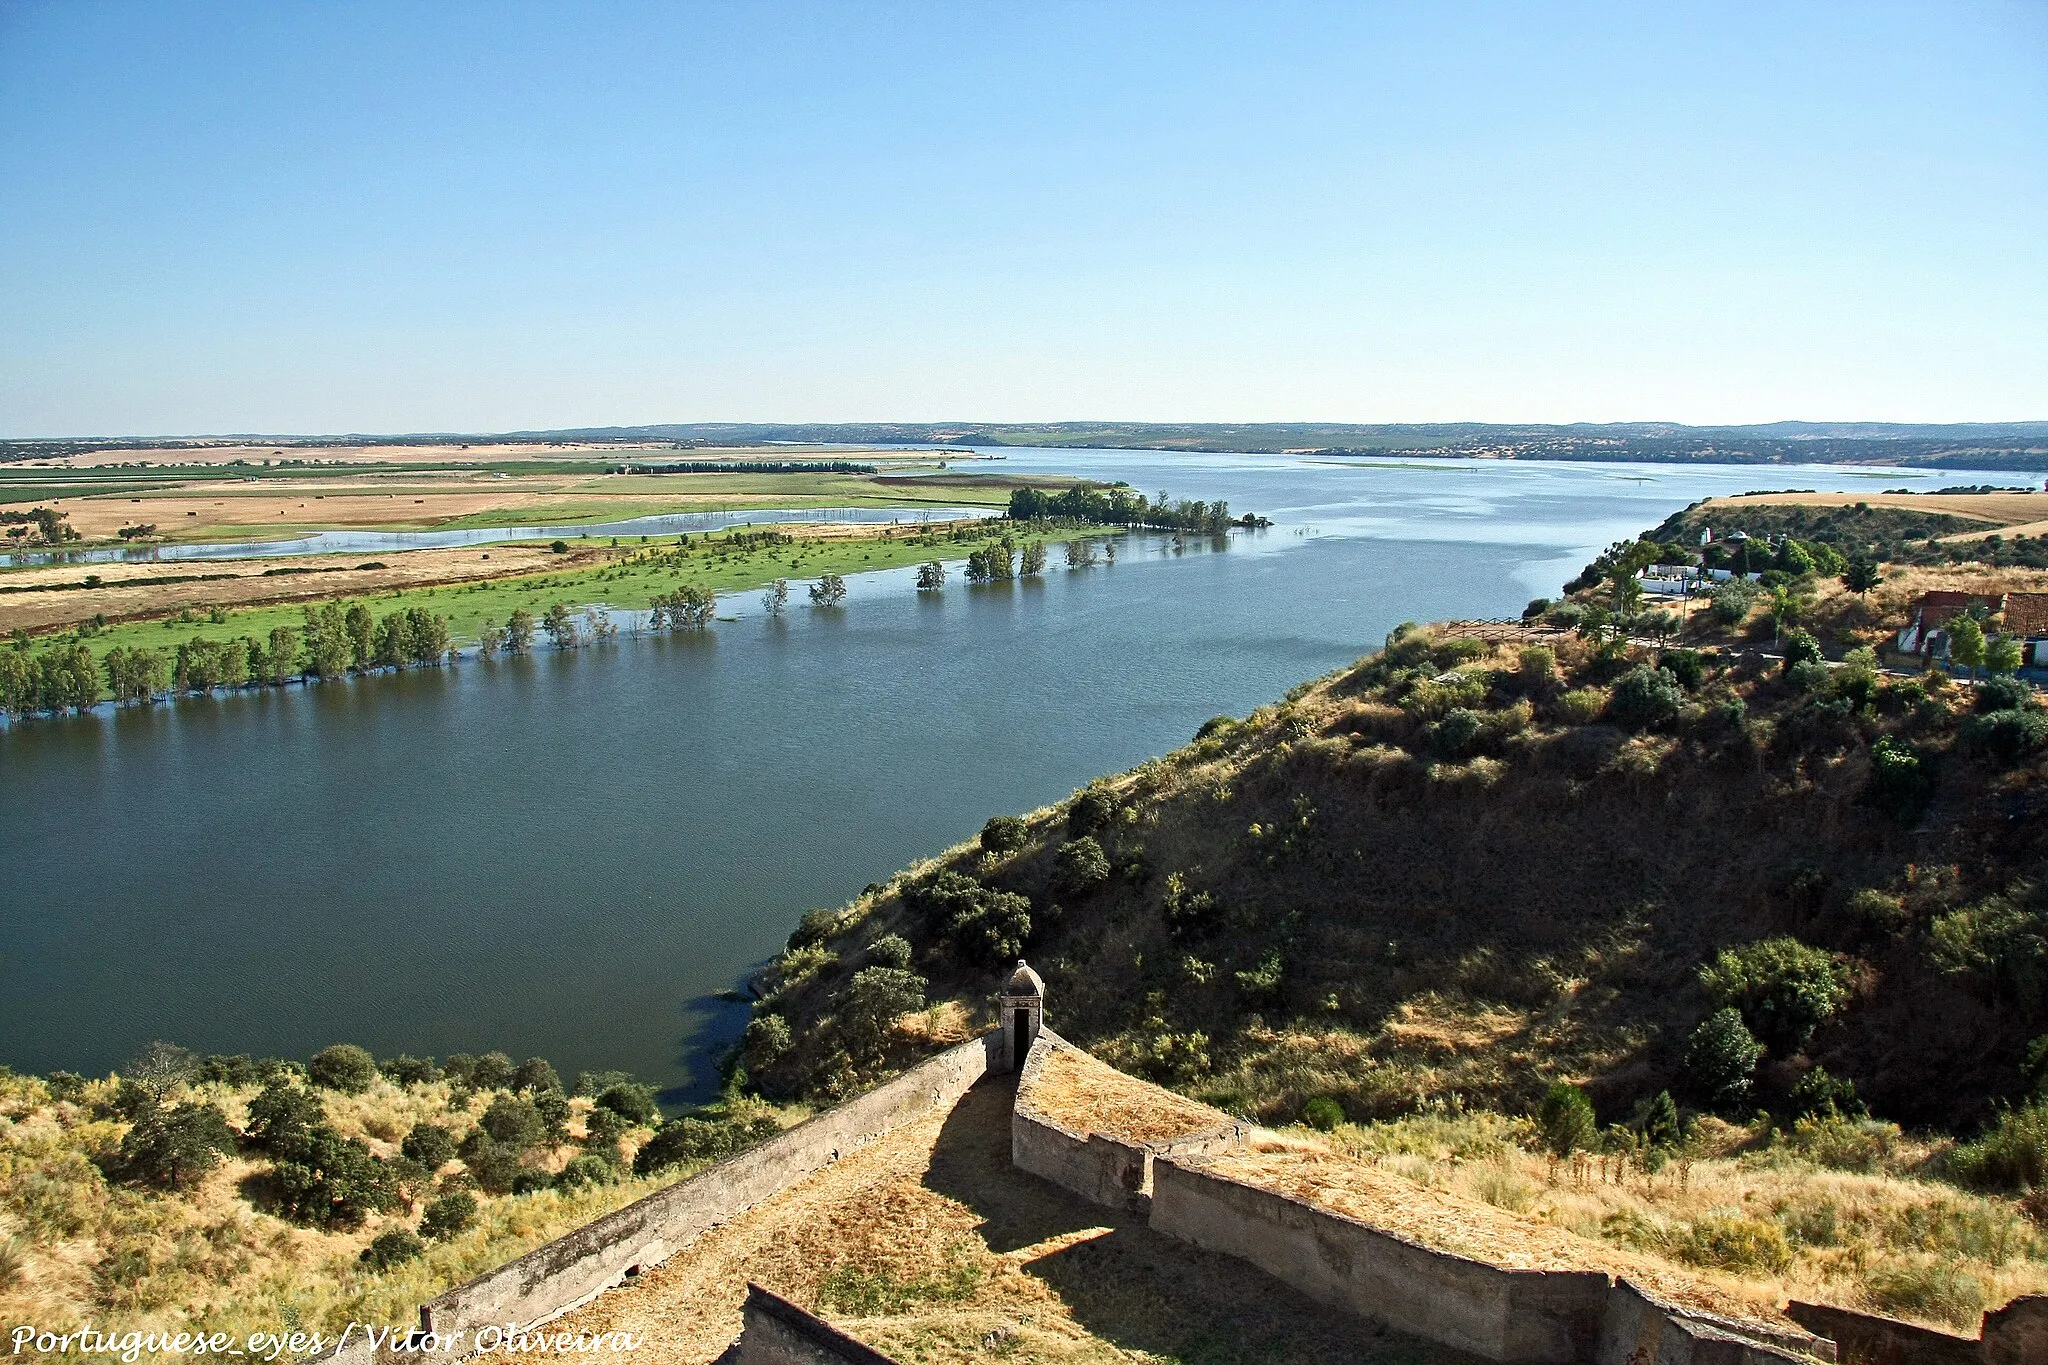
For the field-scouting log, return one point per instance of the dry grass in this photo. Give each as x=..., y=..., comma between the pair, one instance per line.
x=1084, y=1096
x=2001, y=509
x=89, y=1250
x=1760, y=1221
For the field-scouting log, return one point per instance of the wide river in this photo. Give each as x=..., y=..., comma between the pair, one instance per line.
x=571, y=855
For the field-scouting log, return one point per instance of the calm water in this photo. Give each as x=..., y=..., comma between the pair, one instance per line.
x=569, y=855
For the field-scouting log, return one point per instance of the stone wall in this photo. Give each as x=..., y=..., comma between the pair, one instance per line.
x=1104, y=1170
x=1503, y=1315
x=775, y=1331
x=573, y=1269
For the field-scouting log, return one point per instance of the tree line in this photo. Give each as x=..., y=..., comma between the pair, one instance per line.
x=1122, y=507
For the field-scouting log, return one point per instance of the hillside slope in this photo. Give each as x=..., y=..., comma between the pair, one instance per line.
x=1455, y=873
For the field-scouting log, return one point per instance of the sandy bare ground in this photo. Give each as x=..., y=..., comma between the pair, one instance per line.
x=995, y=1262
x=1999, y=509
x=333, y=576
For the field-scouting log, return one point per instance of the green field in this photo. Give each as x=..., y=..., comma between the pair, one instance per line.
x=628, y=583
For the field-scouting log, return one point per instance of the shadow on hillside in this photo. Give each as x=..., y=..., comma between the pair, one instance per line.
x=1136, y=1288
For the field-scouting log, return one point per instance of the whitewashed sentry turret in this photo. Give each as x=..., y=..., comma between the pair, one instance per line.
x=1023, y=1013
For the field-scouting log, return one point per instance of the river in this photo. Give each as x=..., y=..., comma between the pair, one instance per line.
x=571, y=855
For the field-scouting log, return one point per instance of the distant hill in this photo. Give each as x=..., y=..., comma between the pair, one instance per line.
x=1969, y=445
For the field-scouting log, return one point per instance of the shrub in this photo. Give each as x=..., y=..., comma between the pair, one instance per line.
x=344, y=1067
x=1079, y=865
x=429, y=1144
x=1734, y=1243
x=2012, y=1158
x=631, y=1101
x=1662, y=1127
x=2000, y=694
x=1784, y=989
x=1808, y=677
x=404, y=1070
x=1004, y=834
x=1732, y=600
x=530, y=1181
x=395, y=1247
x=593, y=1083
x=2007, y=737
x=1720, y=1059
x=588, y=1169
x=1565, y=1118
x=448, y=1216
x=890, y=950
x=1688, y=666
x=815, y=927
x=1581, y=706
x=1645, y=698
x=553, y=1108
x=513, y=1123
x=1877, y=911
x=602, y=1130
x=764, y=1042
x=1844, y=1144
x=1322, y=1112
x=1801, y=648
x=1820, y=1095
x=493, y=1071
x=173, y=1149
x=987, y=927
x=281, y=1115
x=1901, y=779
x=1214, y=726
x=490, y=1165
x=691, y=1139
x=460, y=1069
x=2001, y=940
x=1091, y=810
x=1939, y=1290
x=1457, y=736
x=1537, y=667
x=877, y=998
x=535, y=1074
x=237, y=1070
x=331, y=1181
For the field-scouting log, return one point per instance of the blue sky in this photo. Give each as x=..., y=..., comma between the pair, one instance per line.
x=397, y=217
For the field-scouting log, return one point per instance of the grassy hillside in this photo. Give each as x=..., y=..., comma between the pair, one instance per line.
x=224, y=1195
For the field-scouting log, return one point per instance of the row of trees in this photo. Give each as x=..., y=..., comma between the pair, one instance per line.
x=1122, y=507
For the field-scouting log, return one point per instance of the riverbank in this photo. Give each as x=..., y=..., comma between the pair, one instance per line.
x=475, y=596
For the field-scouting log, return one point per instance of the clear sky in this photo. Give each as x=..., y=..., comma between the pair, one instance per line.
x=336, y=216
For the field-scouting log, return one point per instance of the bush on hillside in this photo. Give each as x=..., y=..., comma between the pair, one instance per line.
x=494, y=1167
x=692, y=1139
x=1720, y=1060
x=1801, y=648
x=2000, y=940
x=1901, y=779
x=1784, y=988
x=1645, y=698
x=1091, y=810
x=1732, y=601
x=633, y=1101
x=1566, y=1120
x=404, y=1070
x=1004, y=834
x=2000, y=694
x=877, y=998
x=764, y=1042
x=585, y=1170
x=173, y=1149
x=1322, y=1113
x=282, y=1114
x=1457, y=736
x=890, y=950
x=602, y=1130
x=344, y=1067
x=815, y=927
x=392, y=1248
x=2007, y=737
x=1809, y=677
x=1939, y=1290
x=1079, y=865
x=1818, y=1095
x=1688, y=666
x=493, y=1071
x=985, y=926
x=448, y=1216
x=1662, y=1127
x=1580, y=706
x=513, y=1123
x=535, y=1074
x=429, y=1144
x=331, y=1181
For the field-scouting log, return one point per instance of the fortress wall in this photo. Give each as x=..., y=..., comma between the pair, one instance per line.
x=1101, y=1170
x=1503, y=1315
x=777, y=1332
x=575, y=1268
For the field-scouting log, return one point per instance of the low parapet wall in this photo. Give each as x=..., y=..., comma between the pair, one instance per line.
x=1111, y=1171
x=2016, y=1334
x=775, y=1331
x=1503, y=1315
x=573, y=1269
